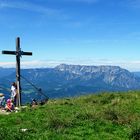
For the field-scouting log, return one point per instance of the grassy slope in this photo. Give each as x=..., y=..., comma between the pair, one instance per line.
x=98, y=117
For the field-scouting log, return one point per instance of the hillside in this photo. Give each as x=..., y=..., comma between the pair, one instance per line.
x=105, y=116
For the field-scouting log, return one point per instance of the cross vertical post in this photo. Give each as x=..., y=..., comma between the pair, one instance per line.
x=18, y=54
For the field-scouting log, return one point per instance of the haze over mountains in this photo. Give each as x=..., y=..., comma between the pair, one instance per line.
x=70, y=80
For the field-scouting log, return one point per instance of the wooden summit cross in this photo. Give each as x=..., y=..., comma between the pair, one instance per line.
x=18, y=54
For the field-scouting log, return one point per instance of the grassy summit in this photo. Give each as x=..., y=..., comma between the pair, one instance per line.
x=114, y=116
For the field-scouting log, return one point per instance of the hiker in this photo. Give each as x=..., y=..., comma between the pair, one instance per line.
x=14, y=93
x=2, y=101
x=33, y=103
x=9, y=105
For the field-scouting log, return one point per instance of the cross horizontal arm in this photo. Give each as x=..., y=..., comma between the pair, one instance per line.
x=9, y=52
x=26, y=53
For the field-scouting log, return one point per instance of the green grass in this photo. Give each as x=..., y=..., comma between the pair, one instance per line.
x=107, y=116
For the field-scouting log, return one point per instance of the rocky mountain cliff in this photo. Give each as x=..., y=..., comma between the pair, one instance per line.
x=112, y=75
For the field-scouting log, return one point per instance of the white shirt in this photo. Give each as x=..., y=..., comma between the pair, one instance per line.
x=13, y=91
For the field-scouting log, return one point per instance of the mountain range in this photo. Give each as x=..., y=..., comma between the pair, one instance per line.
x=69, y=80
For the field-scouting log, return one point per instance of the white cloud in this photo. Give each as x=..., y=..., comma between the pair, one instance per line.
x=130, y=65
x=22, y=5
x=7, y=64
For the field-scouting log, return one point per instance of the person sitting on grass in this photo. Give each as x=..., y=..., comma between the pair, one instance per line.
x=9, y=105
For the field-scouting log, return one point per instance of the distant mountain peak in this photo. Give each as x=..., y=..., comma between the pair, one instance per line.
x=110, y=75
x=100, y=66
x=86, y=68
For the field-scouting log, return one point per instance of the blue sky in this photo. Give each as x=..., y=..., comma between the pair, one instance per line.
x=87, y=32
